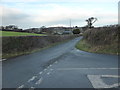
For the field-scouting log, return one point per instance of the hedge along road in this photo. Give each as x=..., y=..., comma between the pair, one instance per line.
x=61, y=66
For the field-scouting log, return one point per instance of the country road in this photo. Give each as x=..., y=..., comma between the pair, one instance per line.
x=61, y=66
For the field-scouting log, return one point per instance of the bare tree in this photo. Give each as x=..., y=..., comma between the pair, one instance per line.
x=90, y=21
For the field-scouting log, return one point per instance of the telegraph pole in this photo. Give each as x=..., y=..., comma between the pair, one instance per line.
x=70, y=23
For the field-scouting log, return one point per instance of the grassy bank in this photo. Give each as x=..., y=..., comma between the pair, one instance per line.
x=10, y=33
x=103, y=49
x=100, y=40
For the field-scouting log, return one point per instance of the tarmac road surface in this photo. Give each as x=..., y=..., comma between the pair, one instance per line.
x=61, y=66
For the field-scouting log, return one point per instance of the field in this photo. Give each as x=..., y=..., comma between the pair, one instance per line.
x=9, y=33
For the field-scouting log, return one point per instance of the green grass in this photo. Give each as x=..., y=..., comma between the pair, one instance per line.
x=104, y=49
x=83, y=46
x=9, y=33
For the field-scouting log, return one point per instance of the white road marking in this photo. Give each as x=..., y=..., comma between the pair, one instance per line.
x=32, y=87
x=111, y=76
x=114, y=85
x=21, y=86
x=48, y=73
x=39, y=81
x=97, y=82
x=40, y=72
x=50, y=65
x=45, y=69
x=3, y=60
x=77, y=50
x=32, y=78
x=87, y=68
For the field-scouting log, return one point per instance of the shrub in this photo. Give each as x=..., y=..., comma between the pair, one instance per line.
x=101, y=40
x=18, y=45
x=101, y=36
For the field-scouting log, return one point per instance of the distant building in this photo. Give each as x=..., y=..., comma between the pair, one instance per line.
x=67, y=32
x=57, y=30
x=10, y=28
x=33, y=30
x=1, y=28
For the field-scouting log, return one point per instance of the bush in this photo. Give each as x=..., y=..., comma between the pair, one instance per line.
x=76, y=31
x=19, y=45
x=101, y=36
x=101, y=40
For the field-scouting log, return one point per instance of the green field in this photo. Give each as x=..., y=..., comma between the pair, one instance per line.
x=9, y=33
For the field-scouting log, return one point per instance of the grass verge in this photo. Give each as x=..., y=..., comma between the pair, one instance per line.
x=103, y=49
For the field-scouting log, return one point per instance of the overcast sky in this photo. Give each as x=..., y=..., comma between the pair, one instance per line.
x=37, y=13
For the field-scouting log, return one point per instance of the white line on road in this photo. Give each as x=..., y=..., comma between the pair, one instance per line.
x=21, y=86
x=32, y=87
x=3, y=60
x=32, y=78
x=114, y=85
x=50, y=65
x=48, y=73
x=40, y=72
x=97, y=82
x=77, y=50
x=111, y=76
x=39, y=81
x=87, y=68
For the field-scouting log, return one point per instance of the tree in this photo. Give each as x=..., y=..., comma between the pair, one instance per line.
x=43, y=28
x=76, y=26
x=76, y=31
x=11, y=27
x=90, y=21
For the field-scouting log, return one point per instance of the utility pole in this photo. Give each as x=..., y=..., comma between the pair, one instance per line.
x=70, y=23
